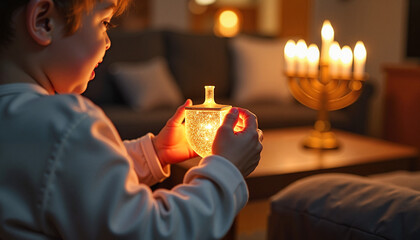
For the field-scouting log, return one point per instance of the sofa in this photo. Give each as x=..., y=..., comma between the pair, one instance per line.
x=348, y=207
x=146, y=75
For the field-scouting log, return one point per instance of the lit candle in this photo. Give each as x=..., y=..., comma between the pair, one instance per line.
x=327, y=34
x=301, y=52
x=359, y=60
x=313, y=60
x=334, y=53
x=346, y=61
x=290, y=54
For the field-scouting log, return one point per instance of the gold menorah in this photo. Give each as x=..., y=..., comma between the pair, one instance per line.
x=324, y=93
x=327, y=87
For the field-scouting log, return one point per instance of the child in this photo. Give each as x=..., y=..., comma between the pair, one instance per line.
x=64, y=171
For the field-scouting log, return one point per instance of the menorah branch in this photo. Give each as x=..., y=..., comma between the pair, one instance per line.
x=324, y=95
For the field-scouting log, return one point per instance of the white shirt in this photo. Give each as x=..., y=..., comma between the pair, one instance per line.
x=65, y=173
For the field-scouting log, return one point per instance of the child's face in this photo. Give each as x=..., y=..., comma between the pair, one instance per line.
x=74, y=58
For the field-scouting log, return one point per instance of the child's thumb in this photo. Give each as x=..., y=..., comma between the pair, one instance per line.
x=179, y=115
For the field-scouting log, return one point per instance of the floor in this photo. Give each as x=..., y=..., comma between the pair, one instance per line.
x=252, y=221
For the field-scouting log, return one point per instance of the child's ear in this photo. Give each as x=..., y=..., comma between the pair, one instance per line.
x=39, y=22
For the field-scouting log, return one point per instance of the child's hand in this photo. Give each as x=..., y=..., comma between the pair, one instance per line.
x=170, y=144
x=239, y=140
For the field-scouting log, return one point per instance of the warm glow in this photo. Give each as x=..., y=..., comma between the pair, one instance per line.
x=360, y=51
x=203, y=121
x=346, y=61
x=301, y=52
x=205, y=2
x=209, y=96
x=335, y=51
x=346, y=55
x=289, y=54
x=228, y=19
x=313, y=53
x=290, y=49
x=227, y=23
x=201, y=127
x=301, y=49
x=327, y=31
x=313, y=59
x=359, y=59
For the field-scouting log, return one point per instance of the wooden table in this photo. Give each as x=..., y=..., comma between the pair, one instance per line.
x=284, y=160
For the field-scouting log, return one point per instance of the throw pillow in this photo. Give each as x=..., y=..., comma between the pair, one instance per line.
x=259, y=70
x=146, y=85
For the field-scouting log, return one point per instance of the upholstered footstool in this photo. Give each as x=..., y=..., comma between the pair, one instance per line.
x=343, y=206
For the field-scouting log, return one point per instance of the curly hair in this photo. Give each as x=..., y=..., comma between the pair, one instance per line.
x=72, y=11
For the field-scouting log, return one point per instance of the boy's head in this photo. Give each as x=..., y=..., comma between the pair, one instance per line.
x=71, y=10
x=55, y=43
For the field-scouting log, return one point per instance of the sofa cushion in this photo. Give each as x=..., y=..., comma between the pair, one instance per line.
x=343, y=206
x=146, y=85
x=199, y=60
x=258, y=70
x=125, y=47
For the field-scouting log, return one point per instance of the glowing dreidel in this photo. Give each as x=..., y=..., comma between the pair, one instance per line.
x=202, y=122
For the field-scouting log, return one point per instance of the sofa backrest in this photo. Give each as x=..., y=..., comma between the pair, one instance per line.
x=194, y=61
x=125, y=47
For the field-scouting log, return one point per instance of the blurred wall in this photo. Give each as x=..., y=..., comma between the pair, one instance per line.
x=169, y=14
x=174, y=14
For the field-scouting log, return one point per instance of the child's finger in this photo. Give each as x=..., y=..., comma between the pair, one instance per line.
x=250, y=120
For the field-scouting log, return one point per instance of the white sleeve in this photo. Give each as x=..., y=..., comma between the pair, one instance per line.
x=145, y=160
x=93, y=193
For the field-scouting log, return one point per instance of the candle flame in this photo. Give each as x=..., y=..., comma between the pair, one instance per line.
x=327, y=31
x=313, y=53
x=335, y=51
x=290, y=49
x=360, y=51
x=301, y=49
x=346, y=55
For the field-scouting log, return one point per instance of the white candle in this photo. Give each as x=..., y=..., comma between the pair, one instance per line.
x=327, y=34
x=290, y=56
x=334, y=61
x=313, y=60
x=301, y=52
x=346, y=59
x=359, y=60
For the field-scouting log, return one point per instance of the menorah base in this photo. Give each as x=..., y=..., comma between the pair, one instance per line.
x=321, y=140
